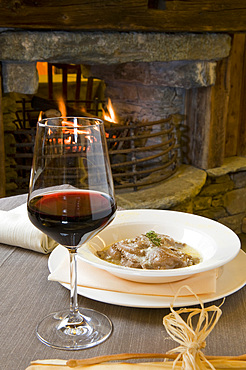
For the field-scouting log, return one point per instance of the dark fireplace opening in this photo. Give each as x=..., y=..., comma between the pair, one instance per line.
x=141, y=153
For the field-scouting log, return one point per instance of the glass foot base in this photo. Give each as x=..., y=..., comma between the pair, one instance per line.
x=57, y=330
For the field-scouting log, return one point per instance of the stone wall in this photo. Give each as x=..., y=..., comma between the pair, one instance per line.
x=218, y=194
x=223, y=197
x=9, y=108
x=152, y=91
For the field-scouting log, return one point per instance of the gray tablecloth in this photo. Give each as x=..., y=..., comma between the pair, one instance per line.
x=27, y=296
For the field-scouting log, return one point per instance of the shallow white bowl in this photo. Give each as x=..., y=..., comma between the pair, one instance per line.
x=216, y=243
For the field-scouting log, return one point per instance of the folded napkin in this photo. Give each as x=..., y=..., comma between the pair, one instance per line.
x=92, y=277
x=16, y=229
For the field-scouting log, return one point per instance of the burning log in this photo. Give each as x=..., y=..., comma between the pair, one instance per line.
x=42, y=104
x=45, y=105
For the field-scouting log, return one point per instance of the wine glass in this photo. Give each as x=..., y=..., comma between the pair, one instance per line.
x=71, y=198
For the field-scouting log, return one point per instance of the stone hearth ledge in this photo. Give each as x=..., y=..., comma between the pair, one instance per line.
x=183, y=186
x=231, y=164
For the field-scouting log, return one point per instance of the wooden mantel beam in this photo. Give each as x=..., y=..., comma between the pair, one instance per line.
x=125, y=15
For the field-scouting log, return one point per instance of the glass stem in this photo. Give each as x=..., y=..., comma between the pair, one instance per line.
x=73, y=282
x=72, y=323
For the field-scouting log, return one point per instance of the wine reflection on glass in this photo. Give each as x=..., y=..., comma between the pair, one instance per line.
x=71, y=199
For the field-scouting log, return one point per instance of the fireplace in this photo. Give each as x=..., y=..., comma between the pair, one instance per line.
x=147, y=77
x=141, y=153
x=151, y=78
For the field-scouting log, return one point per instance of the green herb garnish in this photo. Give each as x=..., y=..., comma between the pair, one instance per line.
x=153, y=237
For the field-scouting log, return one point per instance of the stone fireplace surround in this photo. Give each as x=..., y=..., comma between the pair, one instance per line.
x=146, y=76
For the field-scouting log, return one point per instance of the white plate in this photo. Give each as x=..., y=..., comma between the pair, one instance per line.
x=232, y=278
x=214, y=242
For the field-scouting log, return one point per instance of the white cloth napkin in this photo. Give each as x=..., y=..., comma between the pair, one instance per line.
x=92, y=277
x=16, y=229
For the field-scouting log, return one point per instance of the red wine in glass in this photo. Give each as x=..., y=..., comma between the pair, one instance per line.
x=71, y=217
x=71, y=199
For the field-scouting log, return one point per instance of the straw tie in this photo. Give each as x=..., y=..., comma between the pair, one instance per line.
x=191, y=334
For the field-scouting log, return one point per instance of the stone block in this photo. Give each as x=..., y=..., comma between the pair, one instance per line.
x=239, y=179
x=111, y=47
x=180, y=74
x=218, y=201
x=186, y=207
x=9, y=103
x=165, y=95
x=235, y=201
x=124, y=111
x=183, y=186
x=221, y=179
x=244, y=225
x=213, y=213
x=10, y=188
x=8, y=121
x=9, y=126
x=202, y=203
x=230, y=165
x=10, y=142
x=215, y=189
x=114, y=92
x=11, y=174
x=20, y=77
x=233, y=222
x=128, y=92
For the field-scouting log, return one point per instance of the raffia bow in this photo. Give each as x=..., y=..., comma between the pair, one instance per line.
x=191, y=336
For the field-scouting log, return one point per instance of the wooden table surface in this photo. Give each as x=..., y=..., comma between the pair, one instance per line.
x=27, y=296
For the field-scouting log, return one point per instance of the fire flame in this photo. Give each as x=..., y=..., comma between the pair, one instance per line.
x=62, y=106
x=40, y=116
x=110, y=115
x=71, y=129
